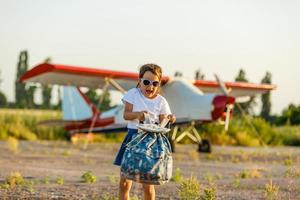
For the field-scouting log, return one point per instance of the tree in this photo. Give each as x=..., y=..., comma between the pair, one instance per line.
x=20, y=90
x=47, y=91
x=199, y=75
x=94, y=98
x=24, y=93
x=247, y=106
x=3, y=100
x=266, y=98
x=178, y=74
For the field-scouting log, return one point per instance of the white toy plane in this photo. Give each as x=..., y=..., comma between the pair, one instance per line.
x=191, y=101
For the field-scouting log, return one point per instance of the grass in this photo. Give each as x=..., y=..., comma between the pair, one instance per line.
x=15, y=179
x=271, y=191
x=210, y=193
x=88, y=177
x=189, y=189
x=13, y=144
x=59, y=180
x=177, y=177
x=23, y=124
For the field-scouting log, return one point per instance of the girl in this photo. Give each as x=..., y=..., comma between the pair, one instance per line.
x=138, y=101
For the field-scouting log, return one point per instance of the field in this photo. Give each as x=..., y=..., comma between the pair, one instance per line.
x=53, y=170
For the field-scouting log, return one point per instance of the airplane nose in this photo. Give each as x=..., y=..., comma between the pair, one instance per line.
x=219, y=104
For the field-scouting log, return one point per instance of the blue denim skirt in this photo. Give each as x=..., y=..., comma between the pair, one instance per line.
x=131, y=133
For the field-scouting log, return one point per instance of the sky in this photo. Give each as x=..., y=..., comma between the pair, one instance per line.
x=216, y=36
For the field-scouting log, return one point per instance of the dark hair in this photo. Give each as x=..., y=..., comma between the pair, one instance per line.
x=153, y=68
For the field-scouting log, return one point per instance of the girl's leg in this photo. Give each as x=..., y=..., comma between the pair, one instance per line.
x=149, y=192
x=125, y=186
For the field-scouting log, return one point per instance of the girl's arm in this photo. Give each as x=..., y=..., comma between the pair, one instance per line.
x=129, y=115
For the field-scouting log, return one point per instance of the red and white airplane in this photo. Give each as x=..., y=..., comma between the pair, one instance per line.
x=190, y=100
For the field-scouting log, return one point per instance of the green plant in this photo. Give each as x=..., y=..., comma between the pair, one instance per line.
x=88, y=177
x=15, y=179
x=236, y=183
x=271, y=191
x=189, y=189
x=244, y=174
x=210, y=193
x=177, y=177
x=112, y=178
x=47, y=180
x=209, y=178
x=13, y=144
x=59, y=180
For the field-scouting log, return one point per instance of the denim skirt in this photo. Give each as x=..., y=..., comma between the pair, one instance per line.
x=130, y=134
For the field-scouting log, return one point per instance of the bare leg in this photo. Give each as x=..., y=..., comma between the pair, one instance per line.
x=149, y=192
x=124, y=189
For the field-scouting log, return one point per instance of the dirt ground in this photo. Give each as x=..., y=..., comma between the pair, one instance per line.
x=236, y=172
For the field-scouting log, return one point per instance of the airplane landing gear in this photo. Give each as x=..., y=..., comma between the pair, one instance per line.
x=204, y=146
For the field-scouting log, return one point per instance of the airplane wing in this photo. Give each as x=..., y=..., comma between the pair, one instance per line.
x=79, y=76
x=237, y=89
x=95, y=78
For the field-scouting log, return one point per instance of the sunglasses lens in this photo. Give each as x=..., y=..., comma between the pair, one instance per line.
x=155, y=83
x=146, y=82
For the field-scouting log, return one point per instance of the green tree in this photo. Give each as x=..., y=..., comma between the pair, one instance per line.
x=3, y=100
x=290, y=116
x=178, y=74
x=20, y=90
x=199, y=75
x=247, y=106
x=47, y=90
x=24, y=93
x=266, y=98
x=94, y=98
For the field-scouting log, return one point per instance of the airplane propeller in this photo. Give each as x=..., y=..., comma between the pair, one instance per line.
x=226, y=92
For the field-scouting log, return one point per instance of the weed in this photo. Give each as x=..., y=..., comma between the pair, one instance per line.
x=67, y=153
x=177, y=177
x=112, y=179
x=210, y=193
x=236, y=183
x=209, y=178
x=15, y=179
x=13, y=144
x=59, y=180
x=254, y=173
x=189, y=189
x=288, y=162
x=106, y=196
x=292, y=172
x=244, y=174
x=88, y=177
x=47, y=180
x=271, y=191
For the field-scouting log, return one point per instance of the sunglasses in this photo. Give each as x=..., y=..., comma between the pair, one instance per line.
x=148, y=82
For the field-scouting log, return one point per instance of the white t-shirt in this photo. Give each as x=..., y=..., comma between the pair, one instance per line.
x=154, y=107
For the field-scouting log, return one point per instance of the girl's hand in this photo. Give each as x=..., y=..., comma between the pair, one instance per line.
x=141, y=115
x=171, y=118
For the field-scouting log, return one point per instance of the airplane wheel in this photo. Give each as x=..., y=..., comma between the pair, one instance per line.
x=205, y=146
x=172, y=143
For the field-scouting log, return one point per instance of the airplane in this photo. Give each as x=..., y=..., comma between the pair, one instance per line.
x=191, y=101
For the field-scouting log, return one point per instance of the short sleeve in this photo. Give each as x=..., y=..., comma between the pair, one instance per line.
x=129, y=96
x=165, y=108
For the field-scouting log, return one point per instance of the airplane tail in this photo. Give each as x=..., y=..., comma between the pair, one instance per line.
x=76, y=105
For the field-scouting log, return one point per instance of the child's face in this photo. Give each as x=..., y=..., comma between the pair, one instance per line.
x=149, y=84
